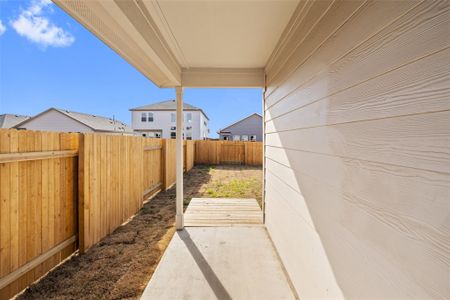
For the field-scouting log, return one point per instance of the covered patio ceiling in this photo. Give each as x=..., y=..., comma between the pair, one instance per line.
x=200, y=43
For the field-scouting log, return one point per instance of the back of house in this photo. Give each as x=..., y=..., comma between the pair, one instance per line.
x=158, y=120
x=246, y=129
x=54, y=119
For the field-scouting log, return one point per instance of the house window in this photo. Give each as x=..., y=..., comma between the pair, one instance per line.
x=150, y=117
x=189, y=135
x=173, y=128
x=143, y=117
x=236, y=137
x=245, y=137
x=188, y=127
x=253, y=138
x=189, y=117
x=173, y=118
x=173, y=135
x=158, y=135
x=226, y=138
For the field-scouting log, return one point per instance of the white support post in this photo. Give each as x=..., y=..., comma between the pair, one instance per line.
x=179, y=171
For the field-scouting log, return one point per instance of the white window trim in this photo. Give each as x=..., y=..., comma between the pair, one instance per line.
x=189, y=117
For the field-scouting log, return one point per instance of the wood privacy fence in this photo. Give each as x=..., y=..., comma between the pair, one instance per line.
x=116, y=175
x=228, y=152
x=60, y=192
x=38, y=205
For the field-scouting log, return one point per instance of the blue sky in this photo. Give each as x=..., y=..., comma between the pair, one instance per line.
x=48, y=60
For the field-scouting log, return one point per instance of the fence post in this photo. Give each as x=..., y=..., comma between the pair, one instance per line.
x=82, y=168
x=184, y=156
x=245, y=153
x=218, y=152
x=163, y=164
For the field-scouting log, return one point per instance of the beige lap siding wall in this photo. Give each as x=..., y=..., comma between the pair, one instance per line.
x=357, y=157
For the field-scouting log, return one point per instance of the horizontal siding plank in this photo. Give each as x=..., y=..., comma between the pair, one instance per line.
x=357, y=155
x=368, y=20
x=400, y=92
x=408, y=240
x=307, y=28
x=327, y=19
x=405, y=191
x=418, y=141
x=286, y=42
x=421, y=31
x=304, y=256
x=278, y=190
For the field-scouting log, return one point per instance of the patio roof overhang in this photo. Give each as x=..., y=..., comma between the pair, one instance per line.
x=189, y=43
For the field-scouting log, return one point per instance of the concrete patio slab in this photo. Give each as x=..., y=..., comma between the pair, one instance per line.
x=219, y=263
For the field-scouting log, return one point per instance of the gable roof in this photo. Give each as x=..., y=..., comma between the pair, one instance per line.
x=10, y=120
x=239, y=121
x=97, y=123
x=168, y=105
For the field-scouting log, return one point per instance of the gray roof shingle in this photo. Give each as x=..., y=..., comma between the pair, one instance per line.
x=165, y=105
x=10, y=120
x=97, y=123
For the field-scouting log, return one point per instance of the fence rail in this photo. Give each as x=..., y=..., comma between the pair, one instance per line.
x=60, y=192
x=38, y=198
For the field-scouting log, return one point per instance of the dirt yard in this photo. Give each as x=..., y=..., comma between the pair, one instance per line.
x=120, y=266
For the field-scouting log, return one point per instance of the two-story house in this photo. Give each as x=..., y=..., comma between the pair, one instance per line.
x=159, y=120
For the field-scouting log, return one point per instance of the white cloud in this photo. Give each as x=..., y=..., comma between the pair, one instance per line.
x=2, y=28
x=35, y=26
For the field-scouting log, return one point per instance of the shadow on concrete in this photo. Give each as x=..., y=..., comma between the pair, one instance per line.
x=211, y=277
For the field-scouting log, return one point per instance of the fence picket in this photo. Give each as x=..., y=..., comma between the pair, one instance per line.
x=60, y=190
x=228, y=152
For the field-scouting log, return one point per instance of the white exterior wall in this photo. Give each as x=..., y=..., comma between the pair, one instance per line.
x=162, y=121
x=203, y=133
x=55, y=121
x=357, y=156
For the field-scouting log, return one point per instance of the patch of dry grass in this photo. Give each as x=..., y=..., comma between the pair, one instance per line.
x=234, y=182
x=236, y=188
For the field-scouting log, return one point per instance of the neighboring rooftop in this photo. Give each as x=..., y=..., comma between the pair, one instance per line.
x=97, y=123
x=10, y=120
x=167, y=105
x=239, y=121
